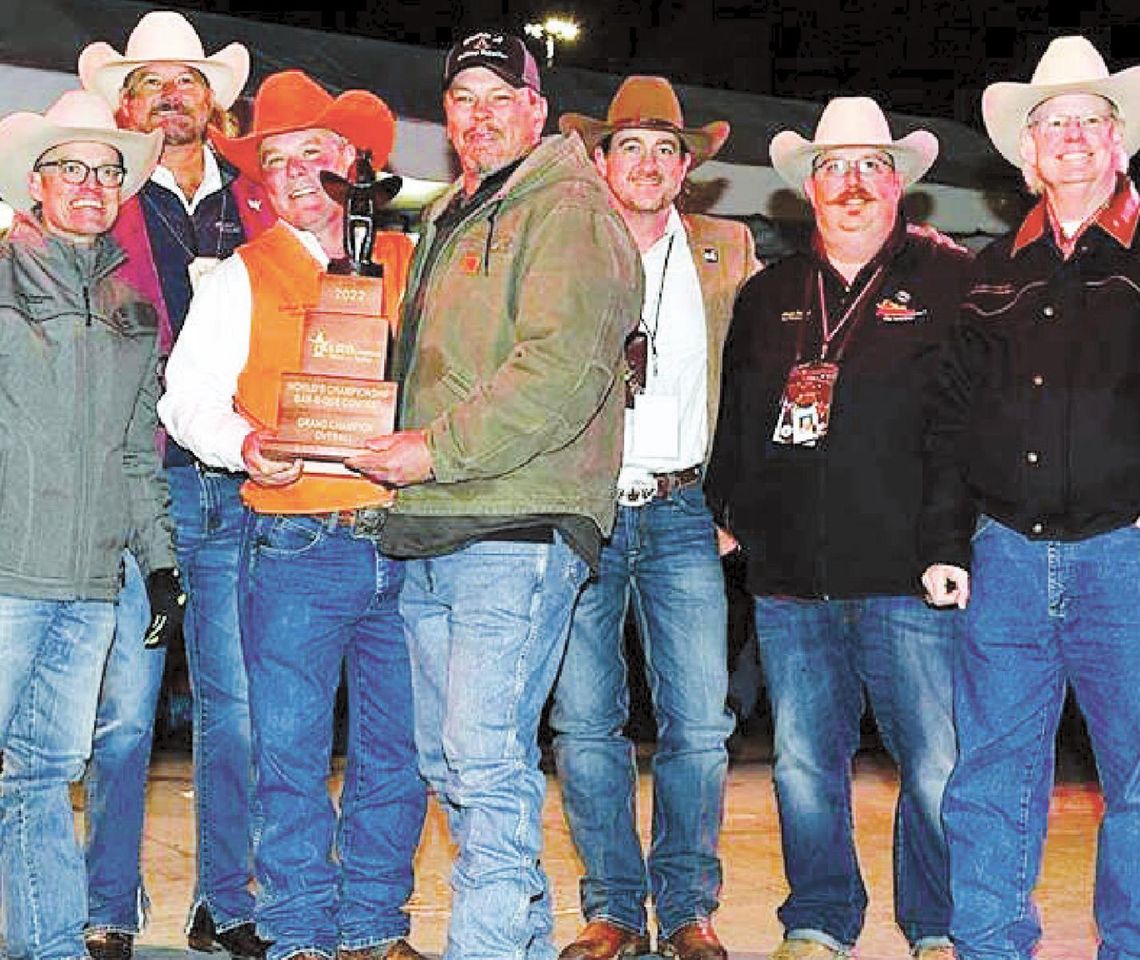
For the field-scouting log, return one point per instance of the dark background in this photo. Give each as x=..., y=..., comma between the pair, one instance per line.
x=927, y=57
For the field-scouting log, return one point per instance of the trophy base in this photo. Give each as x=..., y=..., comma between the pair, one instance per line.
x=324, y=418
x=278, y=448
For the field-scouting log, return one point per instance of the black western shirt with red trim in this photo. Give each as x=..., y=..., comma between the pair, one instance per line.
x=838, y=519
x=1037, y=409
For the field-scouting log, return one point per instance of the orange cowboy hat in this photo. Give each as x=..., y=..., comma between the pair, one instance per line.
x=290, y=101
x=647, y=103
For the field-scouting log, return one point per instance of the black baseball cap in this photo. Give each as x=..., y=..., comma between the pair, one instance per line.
x=502, y=53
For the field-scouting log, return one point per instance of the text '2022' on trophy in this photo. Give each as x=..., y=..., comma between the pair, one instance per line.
x=337, y=397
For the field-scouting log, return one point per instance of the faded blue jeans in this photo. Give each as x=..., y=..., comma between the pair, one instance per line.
x=208, y=517
x=662, y=555
x=487, y=628
x=315, y=598
x=120, y=761
x=1043, y=614
x=819, y=656
x=52, y=653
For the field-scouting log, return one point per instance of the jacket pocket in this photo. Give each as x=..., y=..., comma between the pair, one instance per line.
x=457, y=382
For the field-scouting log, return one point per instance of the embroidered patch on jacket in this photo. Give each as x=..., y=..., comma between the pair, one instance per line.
x=710, y=254
x=791, y=316
x=469, y=264
x=899, y=309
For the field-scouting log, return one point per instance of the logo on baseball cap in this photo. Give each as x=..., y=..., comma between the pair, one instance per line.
x=501, y=53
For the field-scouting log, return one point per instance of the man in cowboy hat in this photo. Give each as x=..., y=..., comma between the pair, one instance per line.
x=817, y=471
x=79, y=342
x=525, y=284
x=664, y=548
x=1034, y=430
x=314, y=594
x=193, y=211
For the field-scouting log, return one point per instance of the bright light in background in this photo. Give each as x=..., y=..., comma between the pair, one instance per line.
x=553, y=30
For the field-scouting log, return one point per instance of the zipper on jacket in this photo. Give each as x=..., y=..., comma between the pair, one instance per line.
x=490, y=235
x=82, y=354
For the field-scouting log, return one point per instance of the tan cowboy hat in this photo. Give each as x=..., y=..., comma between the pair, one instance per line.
x=647, y=103
x=852, y=122
x=76, y=116
x=1069, y=65
x=163, y=36
x=291, y=101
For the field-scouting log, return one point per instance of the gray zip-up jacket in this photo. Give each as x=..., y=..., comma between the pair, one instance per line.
x=80, y=476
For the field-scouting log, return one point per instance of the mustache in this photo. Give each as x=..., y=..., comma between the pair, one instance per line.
x=854, y=193
x=169, y=106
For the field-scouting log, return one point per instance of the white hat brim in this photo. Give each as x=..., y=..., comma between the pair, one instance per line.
x=26, y=137
x=102, y=70
x=1006, y=107
x=792, y=155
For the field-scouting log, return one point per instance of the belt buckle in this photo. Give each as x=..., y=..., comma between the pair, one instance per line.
x=638, y=492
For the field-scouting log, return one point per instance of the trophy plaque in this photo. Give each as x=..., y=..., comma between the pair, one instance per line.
x=338, y=397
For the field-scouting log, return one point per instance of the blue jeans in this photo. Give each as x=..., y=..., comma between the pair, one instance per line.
x=819, y=656
x=487, y=628
x=120, y=759
x=208, y=516
x=664, y=555
x=1043, y=614
x=314, y=598
x=52, y=653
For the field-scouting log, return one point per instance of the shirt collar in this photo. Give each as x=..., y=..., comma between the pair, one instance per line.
x=674, y=226
x=211, y=180
x=310, y=242
x=1118, y=218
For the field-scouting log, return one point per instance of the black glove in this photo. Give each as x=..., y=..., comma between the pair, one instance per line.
x=167, y=604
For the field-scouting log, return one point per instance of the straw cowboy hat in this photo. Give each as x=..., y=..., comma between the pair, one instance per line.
x=163, y=36
x=648, y=103
x=76, y=116
x=1069, y=65
x=291, y=101
x=852, y=122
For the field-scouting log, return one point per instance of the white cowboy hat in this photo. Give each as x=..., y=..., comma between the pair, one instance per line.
x=76, y=116
x=163, y=36
x=852, y=122
x=1069, y=65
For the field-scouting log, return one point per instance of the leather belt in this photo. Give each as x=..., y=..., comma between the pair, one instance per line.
x=659, y=486
x=363, y=521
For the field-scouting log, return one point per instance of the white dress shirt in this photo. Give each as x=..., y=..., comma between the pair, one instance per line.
x=209, y=356
x=673, y=315
x=211, y=181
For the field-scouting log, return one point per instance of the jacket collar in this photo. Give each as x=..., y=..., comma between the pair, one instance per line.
x=1118, y=218
x=93, y=261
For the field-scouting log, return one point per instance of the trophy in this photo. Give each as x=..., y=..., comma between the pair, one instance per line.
x=338, y=397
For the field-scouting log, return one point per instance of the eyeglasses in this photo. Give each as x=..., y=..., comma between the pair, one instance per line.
x=77, y=172
x=872, y=165
x=1058, y=123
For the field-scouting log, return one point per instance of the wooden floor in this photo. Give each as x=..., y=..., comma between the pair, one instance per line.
x=753, y=885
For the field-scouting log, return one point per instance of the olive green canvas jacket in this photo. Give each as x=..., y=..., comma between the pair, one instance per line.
x=514, y=358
